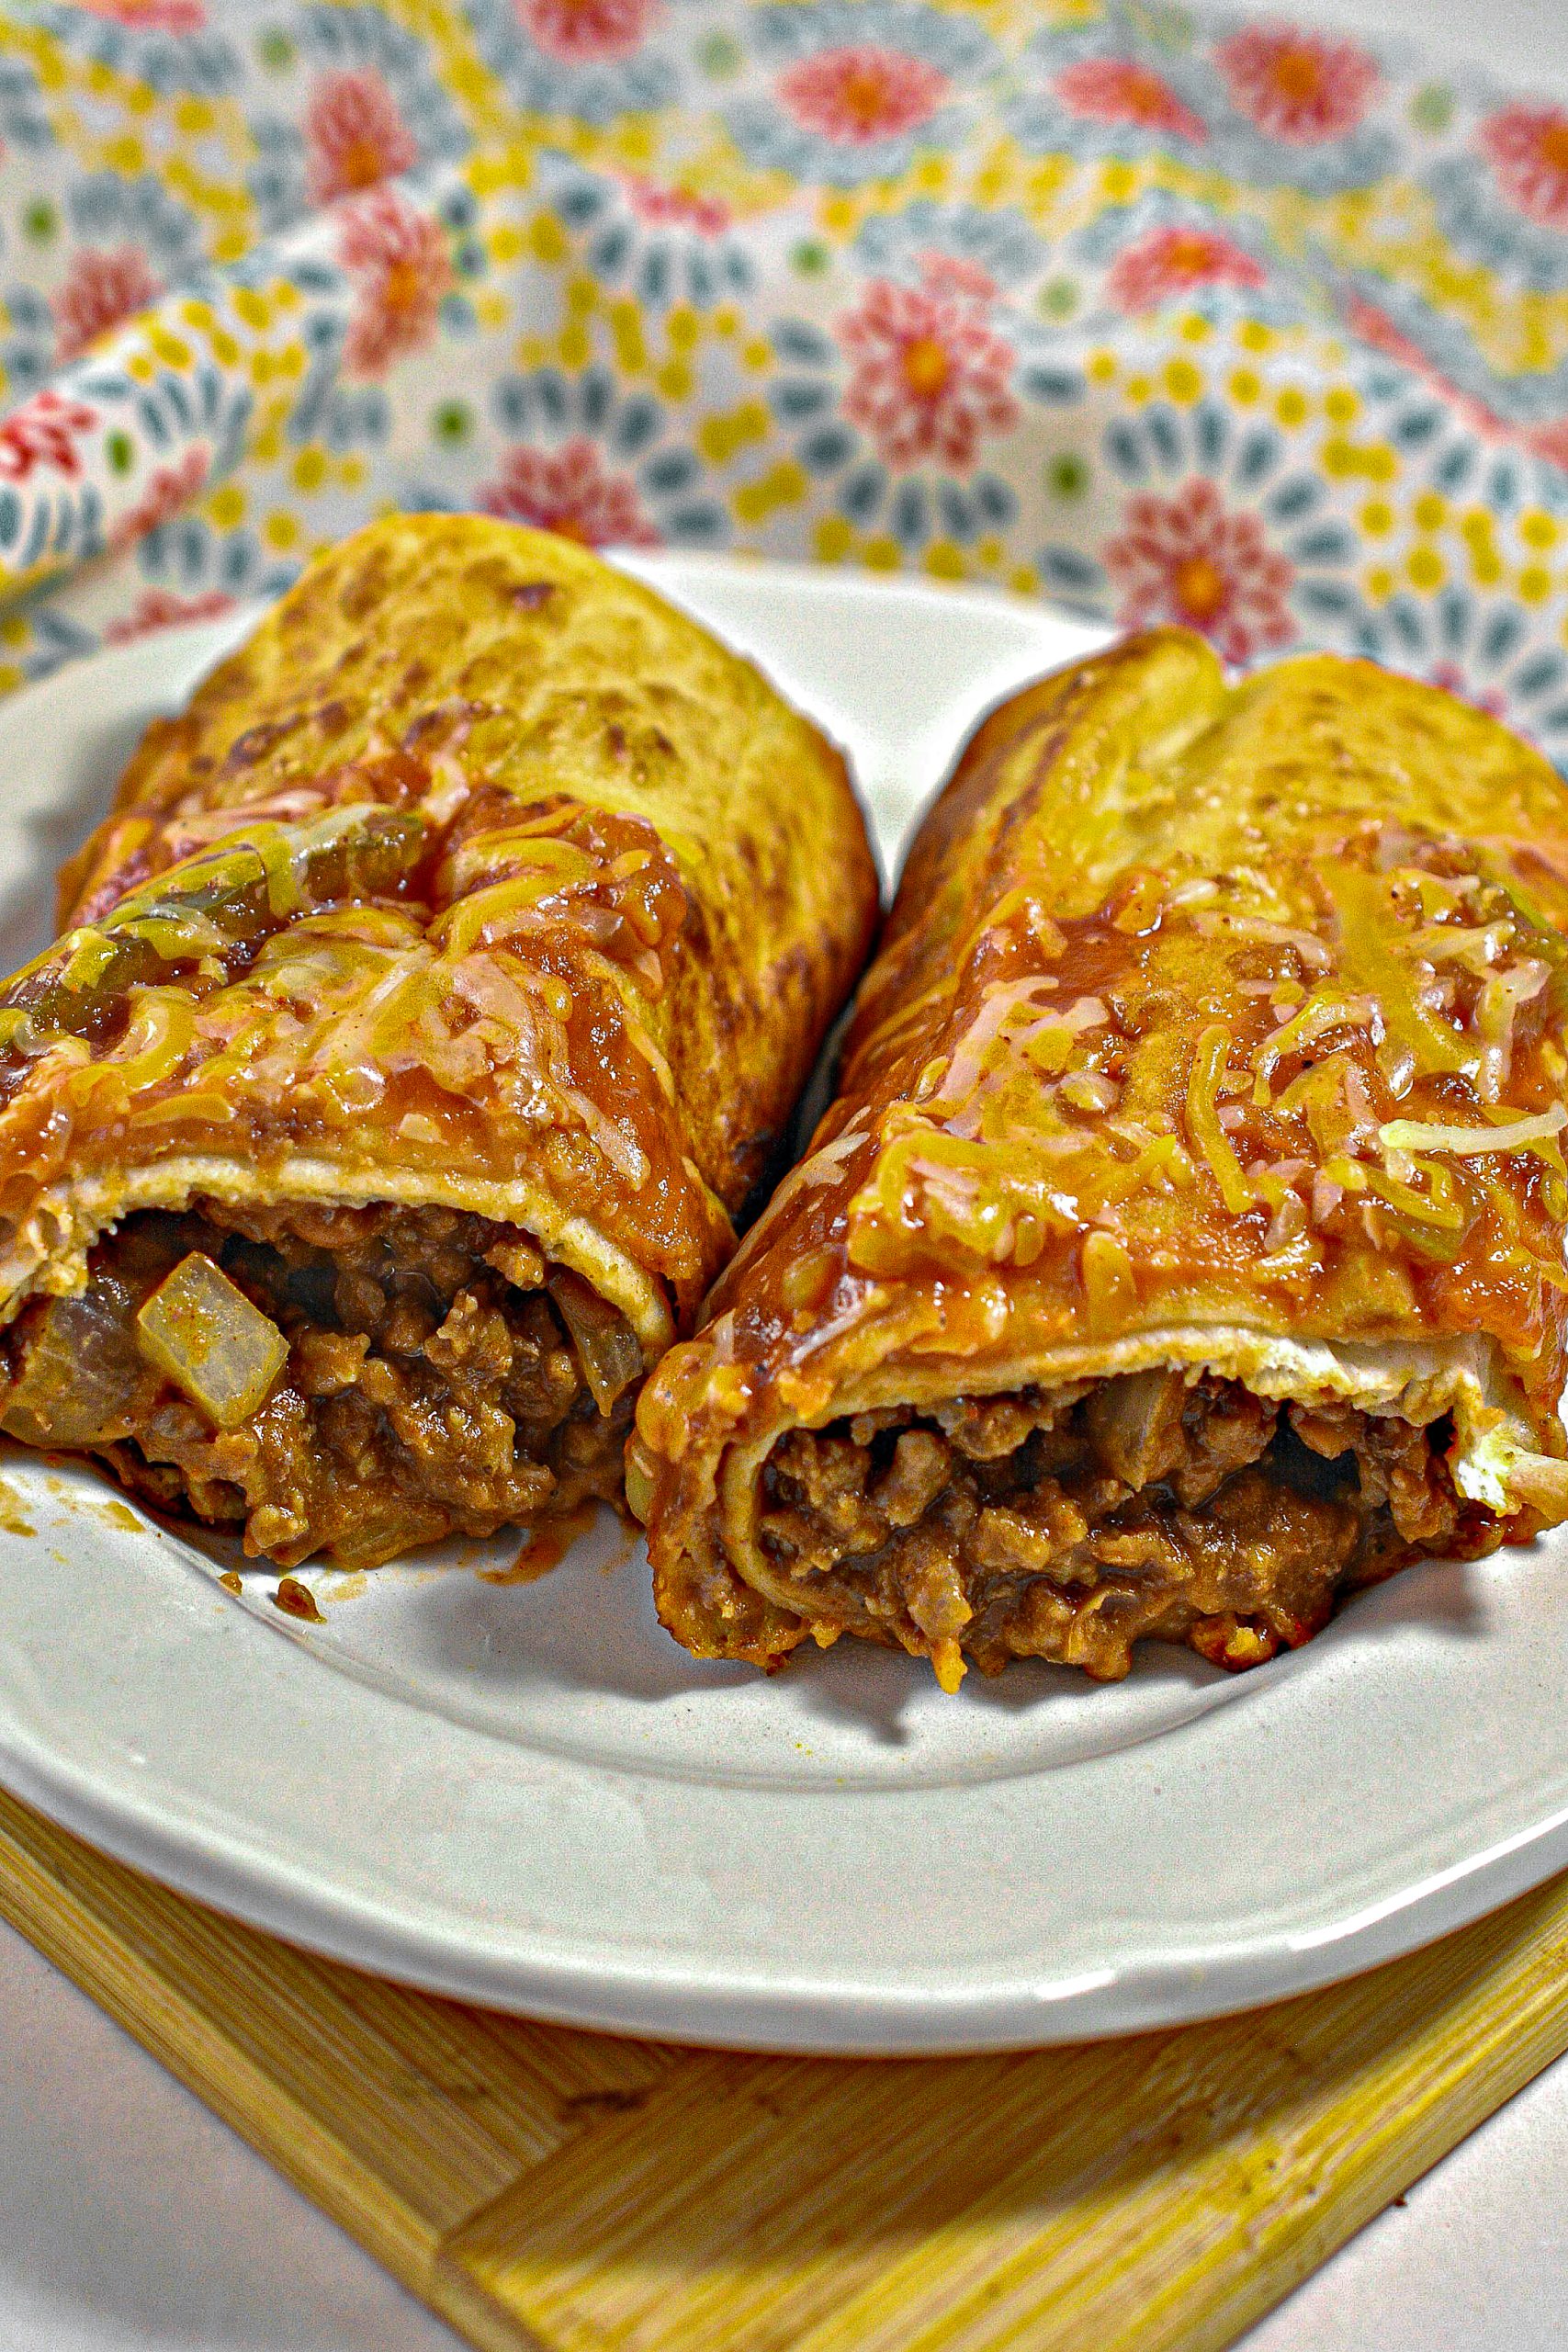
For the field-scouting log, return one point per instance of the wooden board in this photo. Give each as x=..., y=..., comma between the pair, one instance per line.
x=546, y=2189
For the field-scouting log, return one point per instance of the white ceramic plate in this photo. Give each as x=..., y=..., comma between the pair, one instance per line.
x=528, y=1794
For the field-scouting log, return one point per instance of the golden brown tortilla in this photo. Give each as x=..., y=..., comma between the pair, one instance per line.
x=482, y=903
x=1185, y=1245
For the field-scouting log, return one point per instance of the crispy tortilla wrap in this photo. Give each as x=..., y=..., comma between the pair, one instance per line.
x=425, y=1010
x=1185, y=1245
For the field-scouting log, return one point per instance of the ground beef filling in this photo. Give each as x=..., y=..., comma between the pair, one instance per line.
x=1069, y=1524
x=432, y=1386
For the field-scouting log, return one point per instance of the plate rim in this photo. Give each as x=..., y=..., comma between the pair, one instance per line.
x=753, y=2009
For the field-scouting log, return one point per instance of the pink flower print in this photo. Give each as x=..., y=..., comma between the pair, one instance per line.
x=155, y=609
x=102, y=291
x=167, y=491
x=1298, y=87
x=1550, y=441
x=587, y=32
x=1452, y=680
x=152, y=16
x=955, y=276
x=354, y=136
x=1116, y=89
x=44, y=432
x=400, y=260
x=928, y=377
x=569, y=490
x=857, y=95
x=1190, y=559
x=1169, y=263
x=1374, y=326
x=677, y=208
x=1526, y=147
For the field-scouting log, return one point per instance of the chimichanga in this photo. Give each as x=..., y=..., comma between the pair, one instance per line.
x=430, y=1003
x=1185, y=1245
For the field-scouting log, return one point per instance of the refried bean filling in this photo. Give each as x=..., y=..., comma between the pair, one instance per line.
x=1070, y=1523
x=441, y=1378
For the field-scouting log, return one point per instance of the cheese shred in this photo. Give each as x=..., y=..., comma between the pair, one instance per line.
x=1209, y=1137
x=1469, y=1143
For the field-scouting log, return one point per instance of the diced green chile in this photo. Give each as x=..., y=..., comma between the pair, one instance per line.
x=208, y=904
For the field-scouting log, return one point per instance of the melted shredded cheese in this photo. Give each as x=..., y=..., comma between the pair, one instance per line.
x=1519, y=1134
x=1208, y=1136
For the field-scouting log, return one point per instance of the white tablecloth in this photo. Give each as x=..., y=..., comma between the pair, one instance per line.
x=130, y=2219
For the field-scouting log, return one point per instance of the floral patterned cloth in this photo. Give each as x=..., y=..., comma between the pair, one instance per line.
x=1166, y=315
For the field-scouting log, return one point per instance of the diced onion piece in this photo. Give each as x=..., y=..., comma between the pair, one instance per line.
x=607, y=1347
x=1133, y=1419
x=205, y=1335
x=1519, y=1134
x=1537, y=1479
x=80, y=1372
x=640, y=1482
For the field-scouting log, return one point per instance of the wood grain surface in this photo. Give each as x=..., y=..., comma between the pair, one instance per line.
x=548, y=2188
